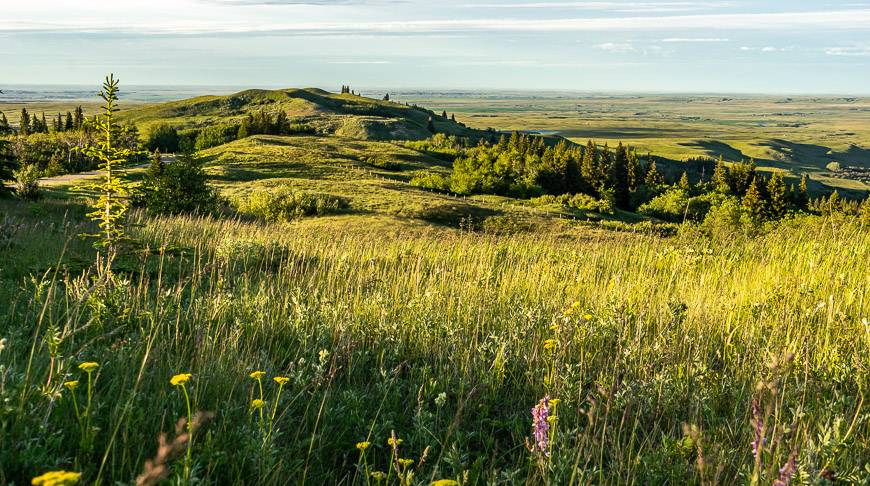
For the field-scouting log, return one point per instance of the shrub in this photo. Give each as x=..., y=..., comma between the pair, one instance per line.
x=215, y=135
x=727, y=218
x=585, y=202
x=504, y=225
x=676, y=205
x=164, y=138
x=179, y=187
x=27, y=182
x=431, y=180
x=383, y=162
x=287, y=204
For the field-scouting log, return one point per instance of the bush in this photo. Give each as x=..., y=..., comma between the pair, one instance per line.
x=504, y=225
x=582, y=202
x=215, y=135
x=179, y=187
x=287, y=204
x=676, y=205
x=431, y=180
x=27, y=182
x=727, y=218
x=383, y=162
x=164, y=138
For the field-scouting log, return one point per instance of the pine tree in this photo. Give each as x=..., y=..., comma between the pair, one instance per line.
x=58, y=123
x=113, y=201
x=4, y=124
x=444, y=114
x=24, y=123
x=589, y=167
x=68, y=123
x=79, y=118
x=387, y=97
x=803, y=197
x=453, y=117
x=633, y=171
x=777, y=196
x=684, y=182
x=43, y=128
x=618, y=176
x=753, y=201
x=653, y=177
x=720, y=177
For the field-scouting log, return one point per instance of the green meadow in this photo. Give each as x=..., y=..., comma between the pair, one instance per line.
x=368, y=330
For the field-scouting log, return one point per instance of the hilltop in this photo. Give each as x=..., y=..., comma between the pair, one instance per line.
x=348, y=115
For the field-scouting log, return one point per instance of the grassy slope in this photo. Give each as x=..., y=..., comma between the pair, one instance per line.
x=347, y=115
x=681, y=331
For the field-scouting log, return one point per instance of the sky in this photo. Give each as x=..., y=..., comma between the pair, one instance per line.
x=739, y=46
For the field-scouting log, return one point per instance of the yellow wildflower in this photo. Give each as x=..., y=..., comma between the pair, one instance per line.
x=89, y=366
x=550, y=344
x=180, y=379
x=363, y=445
x=281, y=380
x=57, y=478
x=444, y=482
x=258, y=375
x=378, y=475
x=258, y=404
x=71, y=385
x=554, y=401
x=587, y=317
x=406, y=462
x=394, y=442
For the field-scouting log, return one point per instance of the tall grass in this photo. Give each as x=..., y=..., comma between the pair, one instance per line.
x=440, y=341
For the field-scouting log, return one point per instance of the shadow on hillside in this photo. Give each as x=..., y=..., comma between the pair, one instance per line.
x=807, y=156
x=716, y=149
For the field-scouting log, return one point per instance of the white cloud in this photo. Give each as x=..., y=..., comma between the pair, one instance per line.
x=854, y=51
x=616, y=47
x=837, y=19
x=608, y=6
x=694, y=39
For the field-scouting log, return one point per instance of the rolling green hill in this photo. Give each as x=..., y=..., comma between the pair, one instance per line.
x=347, y=115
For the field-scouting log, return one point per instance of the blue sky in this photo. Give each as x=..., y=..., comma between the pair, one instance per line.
x=734, y=46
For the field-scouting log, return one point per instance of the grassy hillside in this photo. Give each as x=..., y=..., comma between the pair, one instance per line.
x=342, y=114
x=444, y=338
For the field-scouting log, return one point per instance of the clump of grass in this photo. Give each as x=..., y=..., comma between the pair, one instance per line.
x=287, y=204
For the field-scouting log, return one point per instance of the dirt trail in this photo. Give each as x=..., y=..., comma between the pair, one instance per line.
x=81, y=176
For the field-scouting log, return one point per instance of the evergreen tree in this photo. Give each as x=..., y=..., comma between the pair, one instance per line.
x=4, y=124
x=803, y=197
x=43, y=127
x=68, y=123
x=720, y=177
x=618, y=177
x=79, y=118
x=589, y=167
x=634, y=179
x=113, y=201
x=58, y=123
x=24, y=123
x=387, y=97
x=444, y=114
x=453, y=117
x=777, y=196
x=753, y=201
x=684, y=182
x=653, y=177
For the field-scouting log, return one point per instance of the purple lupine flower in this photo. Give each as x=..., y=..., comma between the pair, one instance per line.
x=786, y=472
x=540, y=425
x=758, y=424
